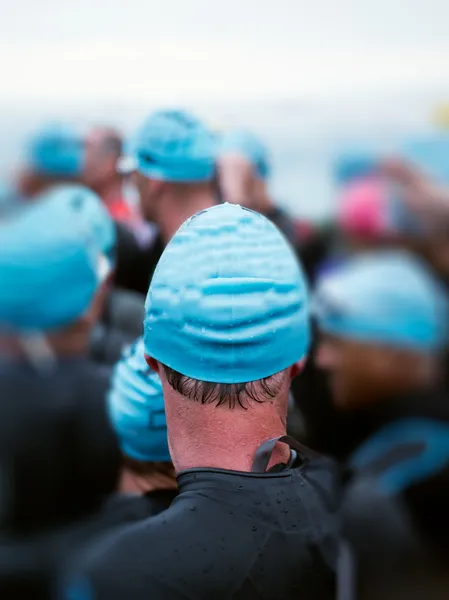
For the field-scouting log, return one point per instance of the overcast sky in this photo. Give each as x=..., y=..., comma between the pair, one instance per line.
x=129, y=50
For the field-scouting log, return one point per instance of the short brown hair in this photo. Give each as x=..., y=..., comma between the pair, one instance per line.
x=206, y=392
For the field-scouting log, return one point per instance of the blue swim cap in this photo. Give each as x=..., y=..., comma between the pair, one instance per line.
x=56, y=151
x=174, y=146
x=429, y=153
x=228, y=301
x=9, y=197
x=354, y=164
x=246, y=144
x=79, y=203
x=50, y=269
x=387, y=298
x=136, y=408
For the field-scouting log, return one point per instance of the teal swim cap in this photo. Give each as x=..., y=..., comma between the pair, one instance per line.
x=246, y=144
x=56, y=151
x=387, y=298
x=50, y=269
x=173, y=146
x=9, y=198
x=355, y=163
x=81, y=204
x=136, y=407
x=430, y=154
x=228, y=301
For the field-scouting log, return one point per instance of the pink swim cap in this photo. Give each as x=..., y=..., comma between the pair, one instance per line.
x=363, y=208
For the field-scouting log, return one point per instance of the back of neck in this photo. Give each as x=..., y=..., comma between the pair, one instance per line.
x=212, y=436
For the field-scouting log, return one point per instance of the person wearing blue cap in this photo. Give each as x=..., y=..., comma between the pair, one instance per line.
x=244, y=169
x=121, y=315
x=427, y=200
x=383, y=321
x=172, y=162
x=136, y=409
x=55, y=430
x=352, y=164
x=226, y=329
x=54, y=154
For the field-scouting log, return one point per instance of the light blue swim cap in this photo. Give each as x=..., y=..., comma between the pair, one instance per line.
x=246, y=144
x=50, y=269
x=430, y=153
x=79, y=203
x=228, y=301
x=56, y=151
x=354, y=164
x=136, y=407
x=9, y=197
x=387, y=298
x=173, y=146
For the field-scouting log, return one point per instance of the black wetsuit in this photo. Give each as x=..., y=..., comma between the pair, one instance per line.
x=227, y=535
x=121, y=324
x=29, y=567
x=136, y=261
x=58, y=453
x=395, y=507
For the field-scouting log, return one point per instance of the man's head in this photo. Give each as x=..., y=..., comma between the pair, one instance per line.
x=53, y=272
x=103, y=151
x=82, y=206
x=382, y=321
x=54, y=154
x=226, y=321
x=137, y=413
x=172, y=154
x=243, y=168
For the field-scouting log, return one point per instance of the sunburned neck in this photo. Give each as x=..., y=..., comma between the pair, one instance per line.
x=206, y=436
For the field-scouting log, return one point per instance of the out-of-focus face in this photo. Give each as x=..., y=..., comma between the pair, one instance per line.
x=237, y=179
x=100, y=161
x=148, y=190
x=361, y=372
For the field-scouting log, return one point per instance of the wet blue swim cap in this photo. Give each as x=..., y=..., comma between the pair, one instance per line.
x=429, y=153
x=9, y=197
x=80, y=203
x=136, y=408
x=174, y=146
x=56, y=151
x=50, y=269
x=246, y=144
x=387, y=298
x=354, y=164
x=228, y=301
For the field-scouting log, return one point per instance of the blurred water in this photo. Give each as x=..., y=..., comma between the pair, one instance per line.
x=303, y=139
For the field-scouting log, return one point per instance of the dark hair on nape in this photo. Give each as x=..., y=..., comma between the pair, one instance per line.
x=232, y=394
